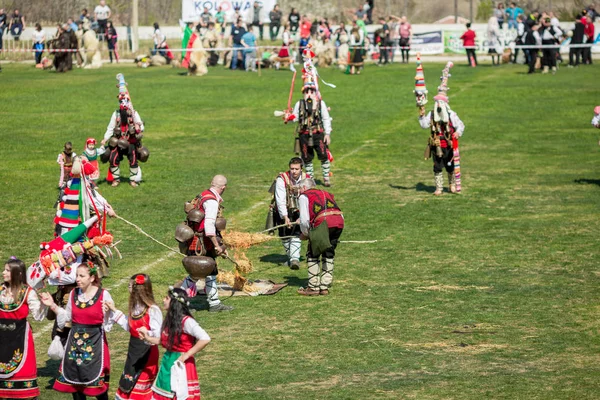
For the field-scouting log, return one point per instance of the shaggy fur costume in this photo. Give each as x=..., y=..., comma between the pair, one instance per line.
x=90, y=51
x=197, y=65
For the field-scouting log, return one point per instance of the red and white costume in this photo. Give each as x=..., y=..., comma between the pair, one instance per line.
x=86, y=363
x=18, y=370
x=151, y=319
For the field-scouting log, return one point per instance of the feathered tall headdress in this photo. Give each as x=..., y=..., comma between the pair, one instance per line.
x=443, y=88
x=420, y=88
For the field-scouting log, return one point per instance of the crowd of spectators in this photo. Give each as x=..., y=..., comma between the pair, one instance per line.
x=242, y=31
x=536, y=33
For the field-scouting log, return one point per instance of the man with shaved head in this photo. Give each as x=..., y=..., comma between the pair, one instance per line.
x=208, y=239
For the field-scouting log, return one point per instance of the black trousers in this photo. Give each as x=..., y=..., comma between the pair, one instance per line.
x=102, y=29
x=586, y=55
x=575, y=55
x=334, y=238
x=308, y=152
x=471, y=53
x=284, y=230
x=446, y=161
x=404, y=48
x=117, y=154
x=383, y=54
x=274, y=30
x=549, y=58
x=533, y=55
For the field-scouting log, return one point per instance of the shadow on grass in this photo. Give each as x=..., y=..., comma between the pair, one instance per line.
x=199, y=303
x=583, y=181
x=49, y=370
x=278, y=259
x=295, y=281
x=419, y=187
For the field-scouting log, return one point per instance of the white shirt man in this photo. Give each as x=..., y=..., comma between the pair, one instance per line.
x=102, y=11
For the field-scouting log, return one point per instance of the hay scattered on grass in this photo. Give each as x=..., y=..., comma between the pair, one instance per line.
x=243, y=240
x=226, y=277
x=236, y=281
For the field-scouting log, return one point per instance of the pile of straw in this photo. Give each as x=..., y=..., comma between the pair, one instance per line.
x=236, y=281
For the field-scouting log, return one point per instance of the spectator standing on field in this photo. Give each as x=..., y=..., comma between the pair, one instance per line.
x=589, y=39
x=17, y=25
x=275, y=17
x=39, y=41
x=522, y=29
x=111, y=40
x=294, y=20
x=255, y=17
x=3, y=18
x=512, y=13
x=533, y=38
x=493, y=36
x=405, y=38
x=249, y=42
x=551, y=35
x=468, y=39
x=385, y=44
x=575, y=53
x=235, y=41
x=102, y=14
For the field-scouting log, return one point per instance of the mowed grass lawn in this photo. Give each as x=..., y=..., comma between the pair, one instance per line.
x=489, y=294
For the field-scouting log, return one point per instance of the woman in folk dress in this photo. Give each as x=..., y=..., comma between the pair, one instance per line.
x=18, y=370
x=85, y=367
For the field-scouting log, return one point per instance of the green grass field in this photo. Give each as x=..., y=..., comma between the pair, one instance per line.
x=489, y=294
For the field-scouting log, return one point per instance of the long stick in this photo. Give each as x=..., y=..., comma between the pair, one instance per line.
x=289, y=107
x=144, y=233
x=276, y=227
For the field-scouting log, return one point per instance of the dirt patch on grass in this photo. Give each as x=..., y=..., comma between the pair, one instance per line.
x=450, y=288
x=460, y=347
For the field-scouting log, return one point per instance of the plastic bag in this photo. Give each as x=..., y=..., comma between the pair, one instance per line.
x=56, y=351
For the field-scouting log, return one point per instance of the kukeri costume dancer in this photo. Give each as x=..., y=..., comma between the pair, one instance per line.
x=321, y=222
x=445, y=128
x=203, y=238
x=141, y=366
x=18, y=370
x=182, y=337
x=285, y=209
x=124, y=138
x=80, y=199
x=314, y=122
x=85, y=367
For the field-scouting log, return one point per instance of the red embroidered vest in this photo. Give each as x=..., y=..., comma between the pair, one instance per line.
x=322, y=207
